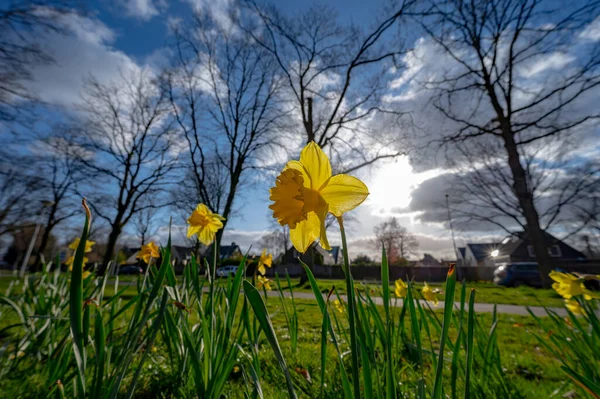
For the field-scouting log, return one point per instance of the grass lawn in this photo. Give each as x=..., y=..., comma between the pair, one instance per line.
x=485, y=292
x=529, y=370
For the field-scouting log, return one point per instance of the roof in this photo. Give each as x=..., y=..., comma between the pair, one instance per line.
x=462, y=251
x=513, y=243
x=482, y=251
x=225, y=251
x=335, y=252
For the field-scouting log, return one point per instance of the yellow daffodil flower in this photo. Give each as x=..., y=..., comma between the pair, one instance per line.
x=88, y=245
x=400, y=288
x=263, y=282
x=148, y=251
x=573, y=306
x=264, y=260
x=430, y=295
x=568, y=285
x=204, y=223
x=339, y=306
x=305, y=192
x=71, y=259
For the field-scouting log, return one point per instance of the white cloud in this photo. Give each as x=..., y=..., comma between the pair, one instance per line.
x=554, y=61
x=85, y=51
x=592, y=31
x=142, y=9
x=221, y=11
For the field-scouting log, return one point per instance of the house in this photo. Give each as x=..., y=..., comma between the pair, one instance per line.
x=460, y=256
x=477, y=254
x=321, y=256
x=181, y=254
x=225, y=252
x=428, y=261
x=518, y=248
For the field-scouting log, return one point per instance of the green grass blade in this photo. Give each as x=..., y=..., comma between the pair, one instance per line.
x=588, y=385
x=448, y=304
x=324, y=328
x=352, y=314
x=457, y=344
x=99, y=340
x=260, y=311
x=149, y=343
x=76, y=303
x=470, y=348
x=390, y=387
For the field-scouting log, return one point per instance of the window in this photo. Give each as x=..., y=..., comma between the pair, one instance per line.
x=554, y=251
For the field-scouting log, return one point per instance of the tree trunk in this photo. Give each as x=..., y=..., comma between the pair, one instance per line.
x=525, y=196
x=110, y=248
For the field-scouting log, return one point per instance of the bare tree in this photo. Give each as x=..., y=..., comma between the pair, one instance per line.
x=127, y=143
x=143, y=223
x=277, y=241
x=19, y=193
x=399, y=243
x=336, y=79
x=224, y=94
x=59, y=169
x=491, y=44
x=22, y=22
x=481, y=189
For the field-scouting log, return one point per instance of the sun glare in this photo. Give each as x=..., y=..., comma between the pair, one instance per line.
x=394, y=183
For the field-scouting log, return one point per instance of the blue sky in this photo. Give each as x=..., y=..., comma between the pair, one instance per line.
x=119, y=36
x=141, y=35
x=141, y=32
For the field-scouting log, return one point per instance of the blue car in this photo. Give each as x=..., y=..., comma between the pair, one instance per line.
x=518, y=274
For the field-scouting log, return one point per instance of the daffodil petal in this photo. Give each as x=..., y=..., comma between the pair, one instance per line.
x=206, y=236
x=562, y=277
x=343, y=193
x=296, y=165
x=306, y=232
x=192, y=230
x=322, y=214
x=316, y=164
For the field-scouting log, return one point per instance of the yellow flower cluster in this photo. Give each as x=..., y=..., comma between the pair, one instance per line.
x=430, y=294
x=339, y=306
x=569, y=286
x=400, y=288
x=73, y=246
x=205, y=224
x=265, y=260
x=148, y=252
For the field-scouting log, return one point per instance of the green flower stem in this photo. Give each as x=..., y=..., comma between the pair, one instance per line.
x=351, y=311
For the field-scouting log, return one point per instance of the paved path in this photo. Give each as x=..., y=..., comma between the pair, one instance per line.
x=479, y=307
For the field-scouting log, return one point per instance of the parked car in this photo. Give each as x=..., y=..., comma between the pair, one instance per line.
x=518, y=274
x=130, y=269
x=226, y=271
